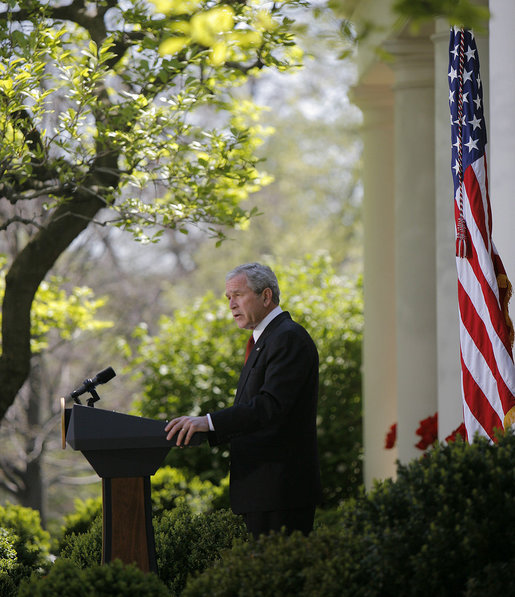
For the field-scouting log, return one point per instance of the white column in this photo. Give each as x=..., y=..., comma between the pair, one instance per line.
x=501, y=145
x=415, y=262
x=375, y=99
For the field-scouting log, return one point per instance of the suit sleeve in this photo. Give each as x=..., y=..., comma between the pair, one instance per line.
x=285, y=368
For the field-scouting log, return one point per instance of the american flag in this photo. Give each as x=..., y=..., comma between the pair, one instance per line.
x=486, y=331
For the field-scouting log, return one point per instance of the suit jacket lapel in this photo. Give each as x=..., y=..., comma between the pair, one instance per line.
x=258, y=347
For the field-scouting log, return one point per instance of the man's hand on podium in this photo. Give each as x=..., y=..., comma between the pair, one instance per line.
x=185, y=427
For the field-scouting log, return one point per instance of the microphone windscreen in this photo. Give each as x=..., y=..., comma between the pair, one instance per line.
x=105, y=375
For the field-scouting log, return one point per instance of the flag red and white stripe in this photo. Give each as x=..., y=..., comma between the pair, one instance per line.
x=486, y=331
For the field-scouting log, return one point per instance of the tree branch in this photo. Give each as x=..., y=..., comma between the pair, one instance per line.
x=18, y=220
x=245, y=68
x=11, y=488
x=77, y=12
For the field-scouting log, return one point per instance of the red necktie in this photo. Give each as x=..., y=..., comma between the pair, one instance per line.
x=250, y=346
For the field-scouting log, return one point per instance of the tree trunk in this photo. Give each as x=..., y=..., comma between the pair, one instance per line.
x=27, y=271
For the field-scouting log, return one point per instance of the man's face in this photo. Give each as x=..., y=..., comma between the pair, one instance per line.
x=247, y=307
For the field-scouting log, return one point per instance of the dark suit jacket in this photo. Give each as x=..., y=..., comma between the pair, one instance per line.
x=272, y=424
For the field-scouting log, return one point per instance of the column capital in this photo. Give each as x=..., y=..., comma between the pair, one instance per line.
x=413, y=61
x=374, y=95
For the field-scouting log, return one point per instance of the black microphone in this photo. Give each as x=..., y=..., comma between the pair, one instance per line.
x=89, y=384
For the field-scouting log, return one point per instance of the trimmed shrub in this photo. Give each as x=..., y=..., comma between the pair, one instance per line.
x=171, y=487
x=8, y=565
x=448, y=515
x=64, y=578
x=188, y=543
x=289, y=566
x=30, y=541
x=84, y=549
x=185, y=543
x=81, y=519
x=447, y=518
x=494, y=580
x=24, y=546
x=110, y=579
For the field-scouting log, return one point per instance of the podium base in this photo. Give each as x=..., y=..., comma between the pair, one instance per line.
x=127, y=532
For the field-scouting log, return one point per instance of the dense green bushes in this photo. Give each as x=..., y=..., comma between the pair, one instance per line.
x=112, y=580
x=185, y=543
x=494, y=580
x=24, y=546
x=172, y=487
x=84, y=548
x=443, y=527
x=8, y=564
x=447, y=516
x=30, y=541
x=274, y=565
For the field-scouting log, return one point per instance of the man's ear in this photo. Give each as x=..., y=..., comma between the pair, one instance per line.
x=267, y=296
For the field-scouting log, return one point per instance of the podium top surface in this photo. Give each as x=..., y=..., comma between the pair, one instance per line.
x=92, y=428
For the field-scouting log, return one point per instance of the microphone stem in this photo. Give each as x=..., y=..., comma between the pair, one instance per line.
x=94, y=397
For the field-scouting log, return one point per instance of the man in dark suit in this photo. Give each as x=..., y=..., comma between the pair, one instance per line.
x=271, y=427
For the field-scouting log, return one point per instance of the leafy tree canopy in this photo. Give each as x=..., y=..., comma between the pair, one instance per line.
x=123, y=113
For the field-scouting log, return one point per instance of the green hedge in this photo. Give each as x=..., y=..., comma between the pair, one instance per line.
x=448, y=515
x=495, y=580
x=80, y=520
x=443, y=527
x=30, y=541
x=277, y=565
x=185, y=543
x=84, y=549
x=24, y=546
x=188, y=543
x=114, y=579
x=8, y=564
x=172, y=487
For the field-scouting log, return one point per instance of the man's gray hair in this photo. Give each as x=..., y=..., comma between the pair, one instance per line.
x=258, y=277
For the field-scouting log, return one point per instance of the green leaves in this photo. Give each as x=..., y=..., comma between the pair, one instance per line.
x=60, y=313
x=228, y=33
x=69, y=312
x=151, y=94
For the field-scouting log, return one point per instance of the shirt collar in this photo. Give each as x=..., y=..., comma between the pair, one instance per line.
x=259, y=329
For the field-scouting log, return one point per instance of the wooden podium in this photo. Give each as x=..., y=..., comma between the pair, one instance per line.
x=124, y=451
